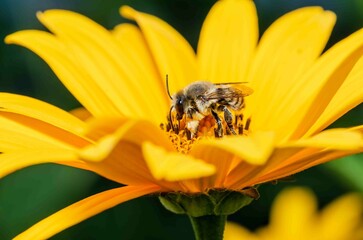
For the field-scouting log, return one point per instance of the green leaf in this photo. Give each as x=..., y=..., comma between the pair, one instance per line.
x=349, y=170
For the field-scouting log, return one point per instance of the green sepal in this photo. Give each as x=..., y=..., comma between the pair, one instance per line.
x=213, y=202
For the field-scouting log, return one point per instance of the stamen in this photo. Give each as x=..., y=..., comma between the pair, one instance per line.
x=183, y=139
x=181, y=143
x=240, y=129
x=248, y=122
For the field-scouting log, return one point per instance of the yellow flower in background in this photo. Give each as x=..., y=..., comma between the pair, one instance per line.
x=295, y=215
x=119, y=77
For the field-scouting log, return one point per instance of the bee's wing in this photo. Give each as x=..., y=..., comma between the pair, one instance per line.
x=246, y=91
x=228, y=92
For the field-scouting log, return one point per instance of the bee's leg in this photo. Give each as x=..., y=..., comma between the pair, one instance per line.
x=228, y=117
x=192, y=127
x=219, y=131
x=193, y=118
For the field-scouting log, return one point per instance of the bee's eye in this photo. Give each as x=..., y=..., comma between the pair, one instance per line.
x=179, y=108
x=179, y=111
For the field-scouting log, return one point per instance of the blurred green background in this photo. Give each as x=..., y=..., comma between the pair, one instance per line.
x=31, y=194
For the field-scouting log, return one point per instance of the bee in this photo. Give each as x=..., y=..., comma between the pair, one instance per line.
x=202, y=98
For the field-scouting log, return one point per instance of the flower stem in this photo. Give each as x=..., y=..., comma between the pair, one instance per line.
x=209, y=227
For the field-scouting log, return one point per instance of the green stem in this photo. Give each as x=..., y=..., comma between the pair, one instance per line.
x=209, y=227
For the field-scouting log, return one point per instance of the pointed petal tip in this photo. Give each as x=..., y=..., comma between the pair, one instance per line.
x=254, y=149
x=329, y=17
x=102, y=148
x=12, y=38
x=173, y=166
x=9, y=39
x=100, y=151
x=16, y=37
x=127, y=12
x=40, y=13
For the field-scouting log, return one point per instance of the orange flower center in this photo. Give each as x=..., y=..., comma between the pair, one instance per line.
x=181, y=138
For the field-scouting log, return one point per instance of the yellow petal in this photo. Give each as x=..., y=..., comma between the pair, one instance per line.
x=106, y=144
x=222, y=160
x=319, y=85
x=118, y=155
x=286, y=51
x=155, y=100
x=40, y=110
x=97, y=51
x=81, y=113
x=174, y=166
x=21, y=127
x=131, y=131
x=297, y=160
x=292, y=214
x=227, y=41
x=125, y=165
x=172, y=53
x=245, y=175
x=344, y=215
x=339, y=139
x=60, y=58
x=14, y=141
x=11, y=162
x=349, y=95
x=254, y=149
x=84, y=209
x=99, y=151
x=357, y=128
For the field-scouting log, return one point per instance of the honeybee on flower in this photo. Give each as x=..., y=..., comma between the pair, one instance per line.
x=297, y=93
x=201, y=98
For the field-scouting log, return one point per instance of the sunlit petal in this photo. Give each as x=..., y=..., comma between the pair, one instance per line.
x=84, y=209
x=174, y=166
x=227, y=41
x=56, y=53
x=81, y=113
x=173, y=54
x=118, y=156
x=320, y=84
x=11, y=162
x=254, y=149
x=154, y=100
x=99, y=52
x=22, y=127
x=292, y=45
x=344, y=215
x=294, y=215
x=302, y=159
x=222, y=160
x=339, y=139
x=349, y=95
x=288, y=218
x=40, y=110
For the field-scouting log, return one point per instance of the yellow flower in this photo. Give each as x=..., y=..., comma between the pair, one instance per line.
x=119, y=77
x=295, y=215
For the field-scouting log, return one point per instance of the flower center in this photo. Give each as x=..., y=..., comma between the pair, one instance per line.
x=183, y=140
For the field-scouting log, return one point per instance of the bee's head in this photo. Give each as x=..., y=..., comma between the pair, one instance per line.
x=179, y=100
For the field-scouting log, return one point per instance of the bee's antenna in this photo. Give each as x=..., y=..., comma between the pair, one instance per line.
x=167, y=86
x=170, y=118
